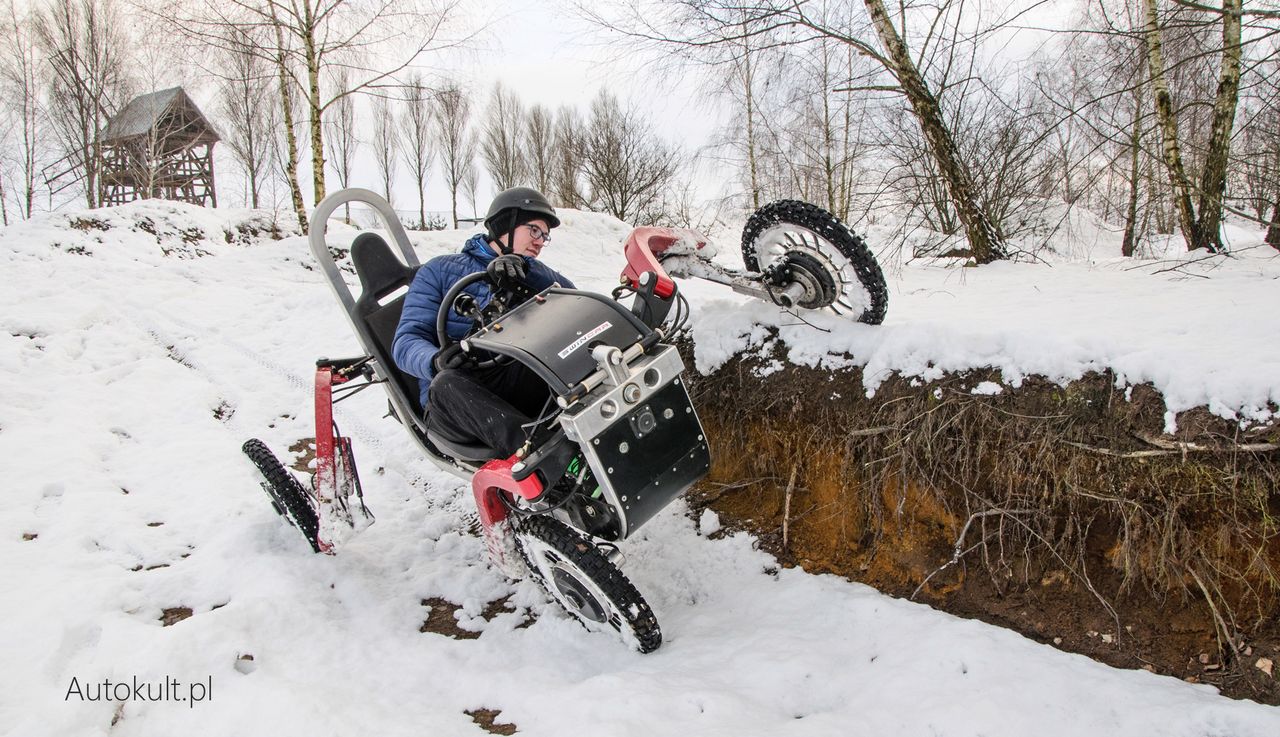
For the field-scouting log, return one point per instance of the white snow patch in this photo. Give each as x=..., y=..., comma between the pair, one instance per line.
x=708, y=522
x=131, y=378
x=987, y=388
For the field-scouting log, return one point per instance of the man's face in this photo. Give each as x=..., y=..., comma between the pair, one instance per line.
x=525, y=243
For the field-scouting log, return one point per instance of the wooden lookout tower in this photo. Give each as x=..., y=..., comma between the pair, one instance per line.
x=159, y=146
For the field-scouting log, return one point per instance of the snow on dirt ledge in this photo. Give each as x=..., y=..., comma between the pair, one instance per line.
x=1200, y=330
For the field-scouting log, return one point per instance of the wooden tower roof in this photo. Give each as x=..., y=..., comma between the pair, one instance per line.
x=172, y=110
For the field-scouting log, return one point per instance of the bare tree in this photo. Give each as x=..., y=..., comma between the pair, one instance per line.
x=280, y=58
x=373, y=40
x=985, y=240
x=457, y=144
x=540, y=138
x=568, y=155
x=471, y=186
x=743, y=88
x=85, y=52
x=714, y=23
x=386, y=144
x=245, y=98
x=415, y=137
x=824, y=127
x=1259, y=167
x=502, y=141
x=627, y=166
x=341, y=130
x=21, y=71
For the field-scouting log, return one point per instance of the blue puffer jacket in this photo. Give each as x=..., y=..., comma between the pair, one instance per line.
x=415, y=341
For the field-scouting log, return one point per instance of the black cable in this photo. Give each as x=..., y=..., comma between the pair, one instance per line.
x=680, y=322
x=347, y=392
x=533, y=426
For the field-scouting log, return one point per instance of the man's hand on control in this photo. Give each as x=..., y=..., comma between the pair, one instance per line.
x=452, y=357
x=506, y=271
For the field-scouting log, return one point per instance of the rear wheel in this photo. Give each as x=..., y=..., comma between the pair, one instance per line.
x=796, y=243
x=585, y=582
x=288, y=495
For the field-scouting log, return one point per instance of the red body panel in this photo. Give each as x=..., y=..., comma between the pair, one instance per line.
x=642, y=248
x=492, y=479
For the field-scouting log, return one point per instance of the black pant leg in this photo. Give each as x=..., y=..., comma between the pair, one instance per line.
x=463, y=407
x=519, y=385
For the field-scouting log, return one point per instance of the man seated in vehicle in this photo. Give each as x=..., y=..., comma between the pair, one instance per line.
x=494, y=406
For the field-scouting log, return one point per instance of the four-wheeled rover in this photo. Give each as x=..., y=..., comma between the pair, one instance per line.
x=620, y=439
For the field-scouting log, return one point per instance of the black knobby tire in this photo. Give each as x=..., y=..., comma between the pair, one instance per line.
x=558, y=558
x=288, y=495
x=828, y=228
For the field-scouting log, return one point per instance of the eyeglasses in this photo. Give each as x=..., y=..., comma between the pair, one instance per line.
x=538, y=234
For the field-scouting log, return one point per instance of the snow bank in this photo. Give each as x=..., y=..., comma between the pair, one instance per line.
x=1196, y=327
x=145, y=230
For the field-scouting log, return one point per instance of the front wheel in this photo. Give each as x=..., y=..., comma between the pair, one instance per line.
x=585, y=582
x=796, y=243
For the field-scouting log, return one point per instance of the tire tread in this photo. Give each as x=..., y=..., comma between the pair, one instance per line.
x=288, y=495
x=588, y=558
x=852, y=247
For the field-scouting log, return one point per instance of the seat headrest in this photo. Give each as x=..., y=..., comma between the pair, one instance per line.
x=379, y=270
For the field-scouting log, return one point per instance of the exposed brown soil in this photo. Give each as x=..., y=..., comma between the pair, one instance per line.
x=174, y=615
x=487, y=719
x=442, y=618
x=1064, y=513
x=304, y=454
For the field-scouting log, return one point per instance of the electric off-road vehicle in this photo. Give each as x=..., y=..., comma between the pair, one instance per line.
x=619, y=438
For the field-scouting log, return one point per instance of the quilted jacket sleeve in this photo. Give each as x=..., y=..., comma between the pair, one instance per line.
x=415, y=341
x=543, y=276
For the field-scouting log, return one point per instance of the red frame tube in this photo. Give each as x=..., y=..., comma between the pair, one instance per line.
x=326, y=466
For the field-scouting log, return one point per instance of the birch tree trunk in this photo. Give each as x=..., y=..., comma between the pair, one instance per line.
x=748, y=84
x=1130, y=242
x=985, y=240
x=1273, y=231
x=314, y=104
x=1213, y=180
x=1168, y=122
x=291, y=140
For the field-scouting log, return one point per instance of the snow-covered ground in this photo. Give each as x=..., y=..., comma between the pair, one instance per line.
x=131, y=377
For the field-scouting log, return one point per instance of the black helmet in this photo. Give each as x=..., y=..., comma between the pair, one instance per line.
x=517, y=206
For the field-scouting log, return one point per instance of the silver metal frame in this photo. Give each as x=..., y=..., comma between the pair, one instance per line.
x=320, y=251
x=612, y=398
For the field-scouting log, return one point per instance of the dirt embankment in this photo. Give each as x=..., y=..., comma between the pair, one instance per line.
x=1062, y=512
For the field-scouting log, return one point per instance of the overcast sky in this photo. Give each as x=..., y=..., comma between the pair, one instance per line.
x=547, y=54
